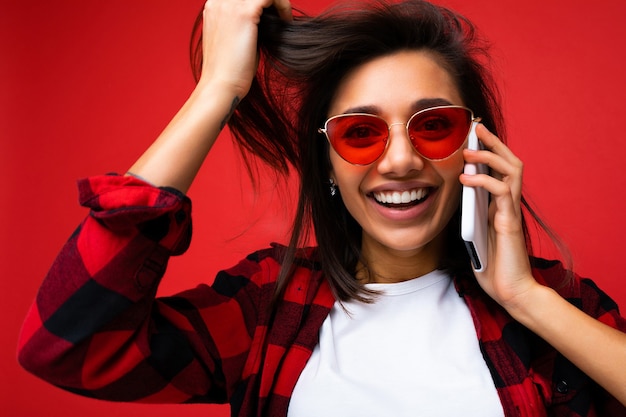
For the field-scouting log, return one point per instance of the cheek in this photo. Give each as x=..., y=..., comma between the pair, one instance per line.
x=450, y=170
x=455, y=197
x=345, y=175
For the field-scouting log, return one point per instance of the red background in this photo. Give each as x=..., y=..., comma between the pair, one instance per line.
x=85, y=86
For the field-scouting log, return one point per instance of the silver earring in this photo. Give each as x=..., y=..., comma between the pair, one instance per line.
x=333, y=187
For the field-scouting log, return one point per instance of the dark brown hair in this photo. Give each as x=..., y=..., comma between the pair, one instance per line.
x=301, y=65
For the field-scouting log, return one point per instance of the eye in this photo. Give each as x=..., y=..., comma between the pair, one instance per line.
x=434, y=127
x=436, y=124
x=359, y=131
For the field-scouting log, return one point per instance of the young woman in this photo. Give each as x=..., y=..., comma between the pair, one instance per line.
x=371, y=106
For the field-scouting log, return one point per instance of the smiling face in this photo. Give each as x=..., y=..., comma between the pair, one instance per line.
x=402, y=201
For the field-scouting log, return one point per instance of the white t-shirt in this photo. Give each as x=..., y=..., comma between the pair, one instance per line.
x=413, y=352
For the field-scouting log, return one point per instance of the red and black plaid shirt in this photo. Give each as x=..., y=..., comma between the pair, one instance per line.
x=96, y=328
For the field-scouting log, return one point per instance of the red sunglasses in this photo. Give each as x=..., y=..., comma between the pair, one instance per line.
x=435, y=132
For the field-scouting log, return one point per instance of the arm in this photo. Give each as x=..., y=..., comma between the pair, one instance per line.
x=230, y=61
x=95, y=327
x=90, y=323
x=596, y=348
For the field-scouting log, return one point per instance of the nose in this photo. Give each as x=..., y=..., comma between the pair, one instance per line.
x=400, y=156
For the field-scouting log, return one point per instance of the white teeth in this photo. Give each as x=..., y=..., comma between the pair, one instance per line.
x=404, y=197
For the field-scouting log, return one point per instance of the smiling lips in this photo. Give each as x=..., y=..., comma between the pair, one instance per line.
x=410, y=197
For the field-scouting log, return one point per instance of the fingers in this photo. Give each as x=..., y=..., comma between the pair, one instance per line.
x=499, y=157
x=505, y=180
x=230, y=37
x=506, y=168
x=283, y=7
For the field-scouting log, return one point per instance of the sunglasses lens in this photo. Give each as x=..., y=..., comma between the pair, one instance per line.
x=437, y=133
x=358, y=138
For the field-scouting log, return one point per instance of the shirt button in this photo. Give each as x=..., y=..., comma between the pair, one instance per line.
x=562, y=387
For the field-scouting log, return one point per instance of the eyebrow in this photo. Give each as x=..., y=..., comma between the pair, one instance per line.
x=421, y=104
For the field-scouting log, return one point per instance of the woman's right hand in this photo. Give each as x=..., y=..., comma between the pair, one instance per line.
x=229, y=41
x=229, y=46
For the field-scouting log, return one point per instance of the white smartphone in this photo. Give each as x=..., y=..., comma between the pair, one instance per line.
x=475, y=210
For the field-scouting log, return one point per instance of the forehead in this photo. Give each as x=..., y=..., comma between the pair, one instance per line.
x=394, y=83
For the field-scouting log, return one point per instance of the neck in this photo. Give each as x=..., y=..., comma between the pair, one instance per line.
x=386, y=265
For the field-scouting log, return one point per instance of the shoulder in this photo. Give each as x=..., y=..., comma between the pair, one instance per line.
x=277, y=253
x=582, y=292
x=264, y=266
x=567, y=283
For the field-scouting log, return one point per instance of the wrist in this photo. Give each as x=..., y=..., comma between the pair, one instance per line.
x=213, y=86
x=533, y=305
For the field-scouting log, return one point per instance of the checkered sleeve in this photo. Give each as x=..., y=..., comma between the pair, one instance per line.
x=95, y=327
x=563, y=383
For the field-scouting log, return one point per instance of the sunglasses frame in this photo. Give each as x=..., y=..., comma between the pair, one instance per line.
x=324, y=130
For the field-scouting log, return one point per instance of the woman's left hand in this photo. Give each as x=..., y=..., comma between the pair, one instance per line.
x=507, y=276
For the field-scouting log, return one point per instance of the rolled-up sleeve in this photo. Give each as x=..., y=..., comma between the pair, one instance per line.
x=96, y=328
